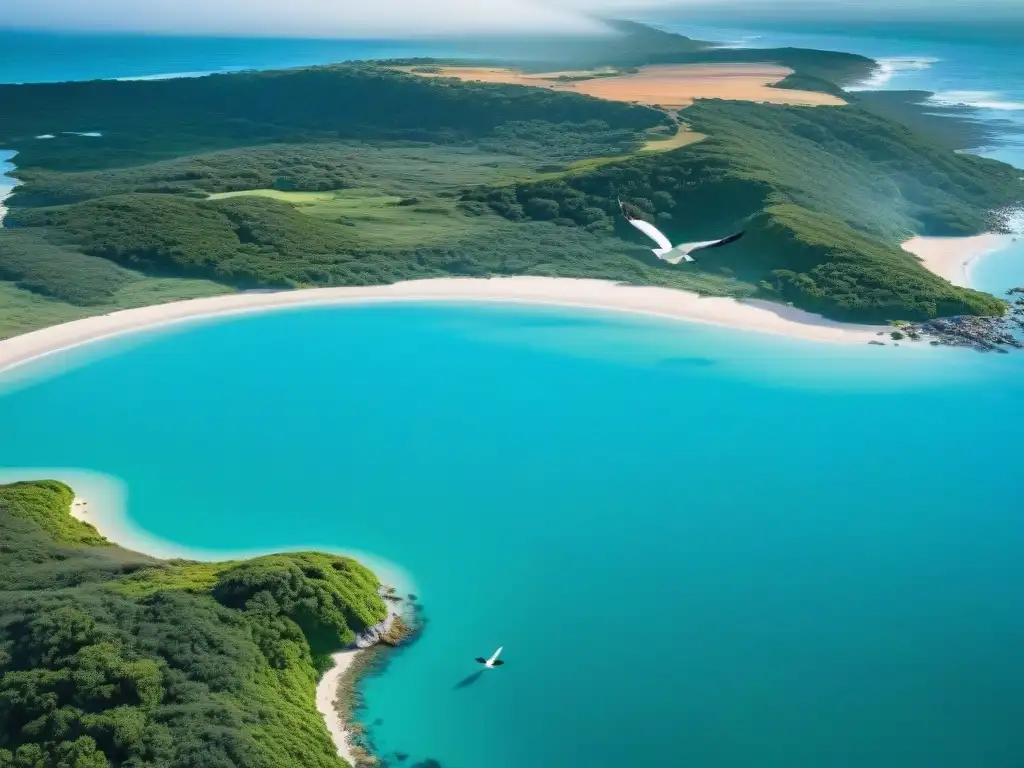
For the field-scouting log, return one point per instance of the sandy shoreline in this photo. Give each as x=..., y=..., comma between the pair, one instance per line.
x=953, y=257
x=101, y=501
x=327, y=694
x=762, y=316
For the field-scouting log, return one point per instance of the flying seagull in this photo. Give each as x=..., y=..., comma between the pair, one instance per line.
x=494, y=661
x=679, y=252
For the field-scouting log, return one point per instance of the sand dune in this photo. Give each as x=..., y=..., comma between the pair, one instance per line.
x=672, y=86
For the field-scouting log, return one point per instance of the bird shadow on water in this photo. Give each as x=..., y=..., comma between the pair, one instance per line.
x=468, y=681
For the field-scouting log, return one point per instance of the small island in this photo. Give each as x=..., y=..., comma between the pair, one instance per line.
x=112, y=657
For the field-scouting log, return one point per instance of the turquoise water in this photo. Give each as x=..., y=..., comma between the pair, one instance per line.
x=698, y=547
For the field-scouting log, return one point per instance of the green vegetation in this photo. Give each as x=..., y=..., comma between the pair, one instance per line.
x=251, y=240
x=275, y=179
x=826, y=195
x=798, y=81
x=110, y=657
x=36, y=265
x=147, y=121
x=953, y=127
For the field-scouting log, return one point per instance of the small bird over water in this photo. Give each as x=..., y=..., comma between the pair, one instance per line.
x=491, y=662
x=665, y=251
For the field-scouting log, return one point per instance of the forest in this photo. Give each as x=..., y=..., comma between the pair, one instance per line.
x=361, y=174
x=826, y=196
x=144, y=121
x=112, y=658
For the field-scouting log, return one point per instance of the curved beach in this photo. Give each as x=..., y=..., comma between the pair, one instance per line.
x=761, y=316
x=953, y=257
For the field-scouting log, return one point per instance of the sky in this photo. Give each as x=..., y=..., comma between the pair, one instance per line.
x=394, y=18
x=316, y=18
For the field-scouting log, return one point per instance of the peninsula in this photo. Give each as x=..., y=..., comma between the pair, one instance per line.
x=148, y=192
x=113, y=657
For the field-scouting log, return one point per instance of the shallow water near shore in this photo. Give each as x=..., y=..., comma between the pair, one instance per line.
x=695, y=545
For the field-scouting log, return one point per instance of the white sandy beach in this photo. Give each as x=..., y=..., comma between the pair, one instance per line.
x=327, y=694
x=953, y=257
x=761, y=316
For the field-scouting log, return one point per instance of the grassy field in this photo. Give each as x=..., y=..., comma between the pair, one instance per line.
x=681, y=138
x=295, y=198
x=378, y=220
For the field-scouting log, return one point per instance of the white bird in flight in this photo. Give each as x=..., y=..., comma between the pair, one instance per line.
x=679, y=252
x=491, y=662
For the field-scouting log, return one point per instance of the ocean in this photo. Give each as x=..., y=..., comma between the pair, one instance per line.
x=44, y=57
x=698, y=547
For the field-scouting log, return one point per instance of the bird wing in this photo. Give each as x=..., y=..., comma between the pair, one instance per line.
x=652, y=232
x=689, y=248
x=494, y=658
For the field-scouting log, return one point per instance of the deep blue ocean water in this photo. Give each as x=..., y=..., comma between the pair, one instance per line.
x=698, y=547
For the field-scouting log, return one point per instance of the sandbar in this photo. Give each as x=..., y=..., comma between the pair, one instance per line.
x=760, y=316
x=953, y=257
x=671, y=86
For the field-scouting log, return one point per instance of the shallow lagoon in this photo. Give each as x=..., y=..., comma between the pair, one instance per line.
x=698, y=547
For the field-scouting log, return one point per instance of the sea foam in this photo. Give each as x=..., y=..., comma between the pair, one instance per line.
x=975, y=100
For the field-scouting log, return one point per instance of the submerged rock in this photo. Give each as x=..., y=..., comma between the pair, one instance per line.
x=985, y=334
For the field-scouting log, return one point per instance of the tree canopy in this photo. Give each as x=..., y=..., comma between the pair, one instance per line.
x=110, y=657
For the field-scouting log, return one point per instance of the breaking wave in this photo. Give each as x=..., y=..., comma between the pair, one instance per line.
x=975, y=100
x=887, y=69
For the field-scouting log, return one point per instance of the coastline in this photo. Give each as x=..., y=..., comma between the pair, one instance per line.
x=327, y=691
x=954, y=257
x=7, y=182
x=746, y=315
x=101, y=501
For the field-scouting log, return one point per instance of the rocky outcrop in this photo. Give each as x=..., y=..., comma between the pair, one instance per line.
x=404, y=621
x=985, y=334
x=377, y=633
x=383, y=631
